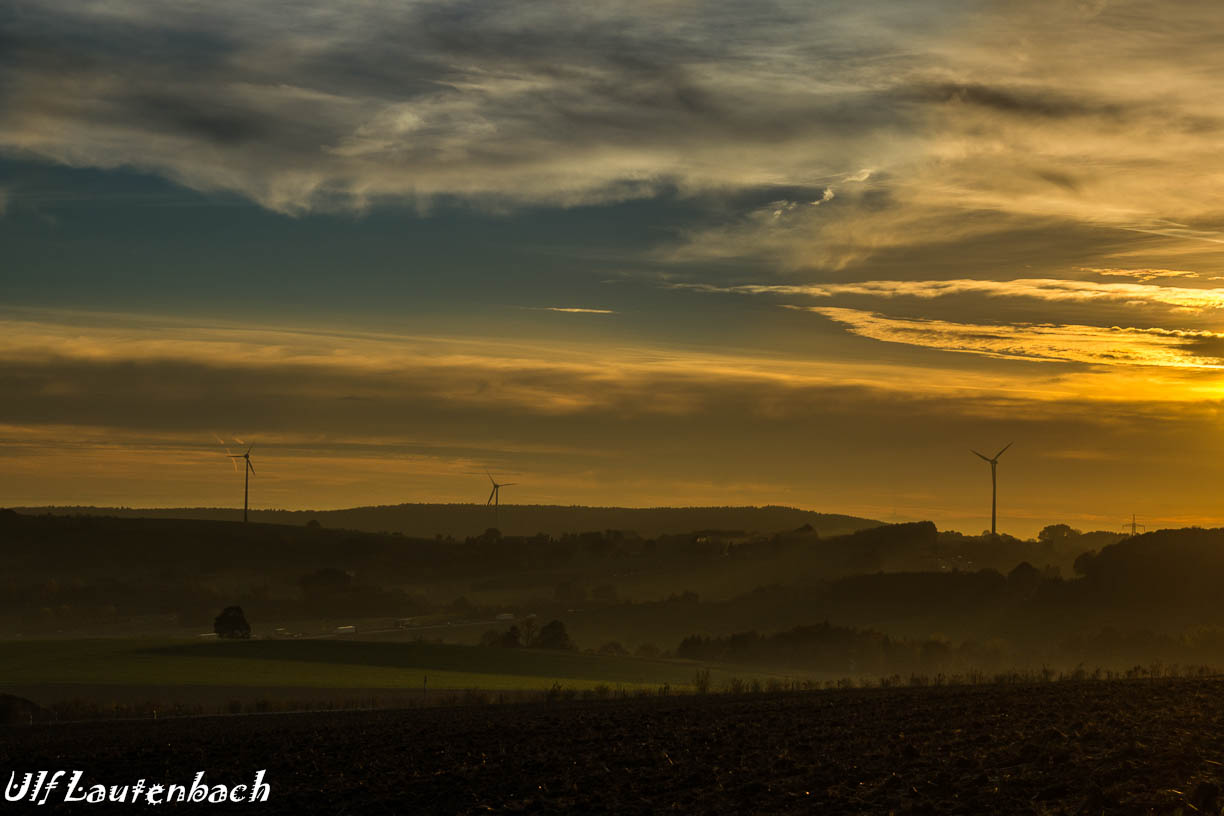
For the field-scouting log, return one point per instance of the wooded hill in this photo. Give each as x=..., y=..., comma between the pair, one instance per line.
x=464, y=520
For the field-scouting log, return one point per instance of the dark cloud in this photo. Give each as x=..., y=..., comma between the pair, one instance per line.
x=1019, y=101
x=1063, y=180
x=38, y=37
x=1211, y=348
x=657, y=431
x=219, y=124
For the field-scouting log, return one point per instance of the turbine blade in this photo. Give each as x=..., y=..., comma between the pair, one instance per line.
x=507, y=484
x=252, y=467
x=1005, y=447
x=490, y=501
x=490, y=475
x=975, y=453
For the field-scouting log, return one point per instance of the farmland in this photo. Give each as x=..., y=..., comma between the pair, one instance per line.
x=1064, y=747
x=193, y=672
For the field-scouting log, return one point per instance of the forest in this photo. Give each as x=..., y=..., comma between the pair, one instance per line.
x=910, y=593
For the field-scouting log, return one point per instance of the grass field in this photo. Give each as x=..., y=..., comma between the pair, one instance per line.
x=333, y=664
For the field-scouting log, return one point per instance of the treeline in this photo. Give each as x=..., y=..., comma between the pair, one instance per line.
x=845, y=650
x=828, y=648
x=88, y=548
x=60, y=571
x=527, y=635
x=57, y=571
x=184, y=600
x=92, y=545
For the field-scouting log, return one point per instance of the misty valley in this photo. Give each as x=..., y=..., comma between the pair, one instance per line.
x=873, y=601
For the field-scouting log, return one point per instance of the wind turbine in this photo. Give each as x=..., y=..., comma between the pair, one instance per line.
x=994, y=489
x=246, y=471
x=495, y=494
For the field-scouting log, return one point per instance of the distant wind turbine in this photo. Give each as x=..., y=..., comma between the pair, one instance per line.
x=495, y=494
x=994, y=463
x=247, y=471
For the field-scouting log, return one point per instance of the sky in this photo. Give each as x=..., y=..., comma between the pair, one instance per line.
x=621, y=253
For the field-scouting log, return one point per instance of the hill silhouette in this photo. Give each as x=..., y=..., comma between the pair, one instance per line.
x=464, y=520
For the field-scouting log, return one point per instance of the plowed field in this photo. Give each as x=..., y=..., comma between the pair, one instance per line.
x=1112, y=747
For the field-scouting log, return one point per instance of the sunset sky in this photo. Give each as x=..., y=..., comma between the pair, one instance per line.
x=639, y=253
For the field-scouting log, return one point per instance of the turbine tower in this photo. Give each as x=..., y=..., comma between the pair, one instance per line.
x=246, y=482
x=495, y=494
x=994, y=487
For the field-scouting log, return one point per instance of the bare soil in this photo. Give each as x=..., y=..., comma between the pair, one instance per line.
x=1127, y=747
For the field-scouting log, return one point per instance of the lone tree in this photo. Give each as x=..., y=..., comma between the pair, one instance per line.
x=554, y=636
x=1057, y=533
x=231, y=623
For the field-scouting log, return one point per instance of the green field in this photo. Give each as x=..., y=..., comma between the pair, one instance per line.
x=334, y=664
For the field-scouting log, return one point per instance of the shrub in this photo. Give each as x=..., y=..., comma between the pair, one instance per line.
x=232, y=623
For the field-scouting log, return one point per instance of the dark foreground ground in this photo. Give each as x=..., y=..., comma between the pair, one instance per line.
x=1076, y=748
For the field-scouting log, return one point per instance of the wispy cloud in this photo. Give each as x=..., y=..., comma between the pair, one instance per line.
x=541, y=379
x=1052, y=290
x=1140, y=274
x=1112, y=346
x=172, y=376
x=1031, y=111
x=358, y=102
x=571, y=310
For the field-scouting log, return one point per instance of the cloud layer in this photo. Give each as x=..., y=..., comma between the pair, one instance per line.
x=106, y=408
x=561, y=103
x=891, y=117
